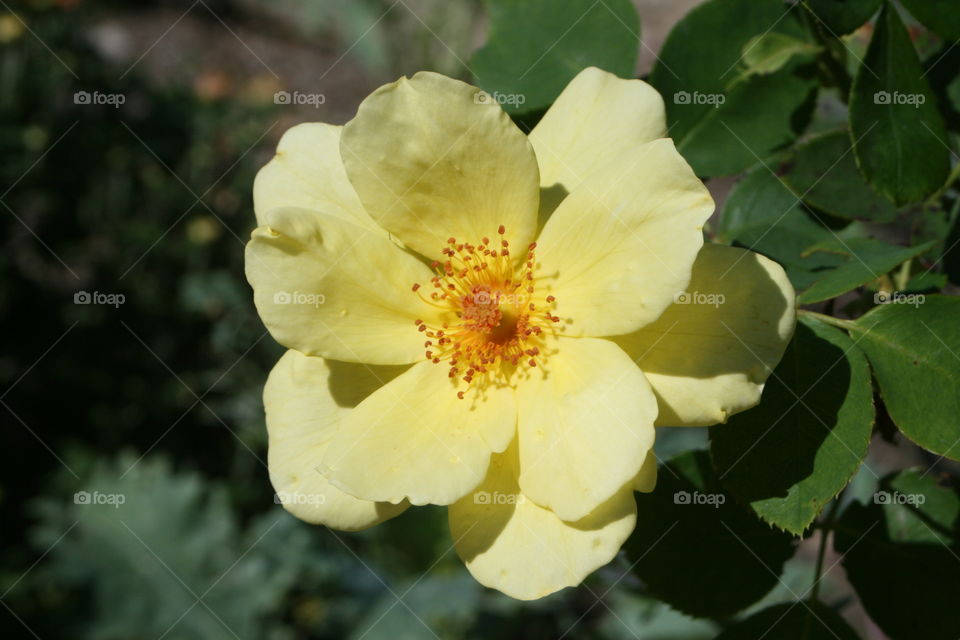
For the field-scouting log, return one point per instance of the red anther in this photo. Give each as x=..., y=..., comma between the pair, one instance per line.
x=533, y=245
x=532, y=362
x=486, y=240
x=460, y=394
x=501, y=230
x=422, y=327
x=551, y=299
x=415, y=286
x=504, y=243
x=418, y=322
x=451, y=240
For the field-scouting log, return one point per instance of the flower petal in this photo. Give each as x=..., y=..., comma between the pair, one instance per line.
x=306, y=398
x=598, y=115
x=511, y=544
x=708, y=356
x=330, y=288
x=621, y=245
x=646, y=479
x=585, y=426
x=432, y=158
x=307, y=172
x=415, y=439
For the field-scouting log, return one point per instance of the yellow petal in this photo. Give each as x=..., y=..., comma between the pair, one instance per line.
x=708, y=356
x=585, y=426
x=415, y=439
x=305, y=399
x=524, y=550
x=307, y=172
x=432, y=158
x=646, y=479
x=621, y=245
x=329, y=288
x=597, y=116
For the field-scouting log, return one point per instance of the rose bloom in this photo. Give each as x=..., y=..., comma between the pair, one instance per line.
x=496, y=321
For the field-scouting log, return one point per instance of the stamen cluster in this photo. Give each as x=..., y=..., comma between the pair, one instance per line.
x=495, y=324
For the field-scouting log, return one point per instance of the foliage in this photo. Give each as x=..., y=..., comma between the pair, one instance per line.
x=839, y=122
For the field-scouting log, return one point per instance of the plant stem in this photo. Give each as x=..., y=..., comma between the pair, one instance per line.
x=954, y=175
x=833, y=61
x=846, y=325
x=825, y=531
x=903, y=276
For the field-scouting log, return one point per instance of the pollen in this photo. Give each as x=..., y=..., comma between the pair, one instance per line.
x=495, y=324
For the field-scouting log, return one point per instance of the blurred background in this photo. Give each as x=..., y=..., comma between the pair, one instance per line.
x=135, y=499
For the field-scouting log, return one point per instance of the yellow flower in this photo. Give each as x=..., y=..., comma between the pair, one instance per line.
x=493, y=321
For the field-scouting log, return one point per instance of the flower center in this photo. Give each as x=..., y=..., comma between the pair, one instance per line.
x=495, y=323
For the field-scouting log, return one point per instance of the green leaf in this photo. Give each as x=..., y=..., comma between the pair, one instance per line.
x=762, y=214
x=914, y=349
x=900, y=554
x=699, y=551
x=536, y=47
x=789, y=456
x=900, y=135
x=869, y=259
x=937, y=16
x=940, y=69
x=824, y=172
x=843, y=16
x=926, y=282
x=771, y=51
x=722, y=119
x=792, y=621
